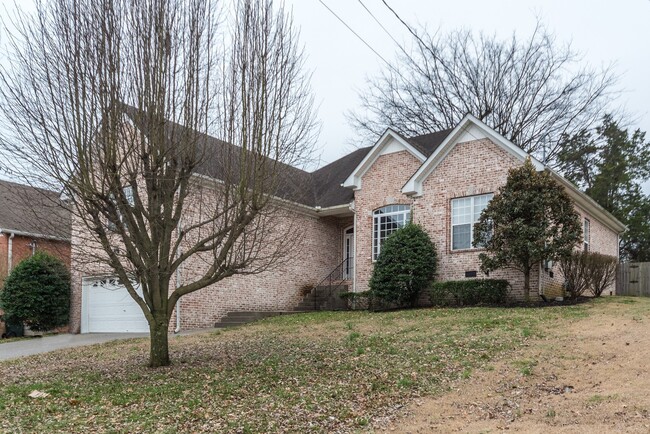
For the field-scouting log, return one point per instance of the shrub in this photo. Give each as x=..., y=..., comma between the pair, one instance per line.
x=469, y=292
x=588, y=271
x=601, y=272
x=37, y=292
x=406, y=266
x=574, y=269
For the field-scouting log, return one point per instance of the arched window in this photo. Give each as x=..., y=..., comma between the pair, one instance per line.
x=385, y=221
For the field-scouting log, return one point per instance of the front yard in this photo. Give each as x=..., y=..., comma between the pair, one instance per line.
x=322, y=372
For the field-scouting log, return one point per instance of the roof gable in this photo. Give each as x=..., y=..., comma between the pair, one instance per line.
x=390, y=142
x=468, y=129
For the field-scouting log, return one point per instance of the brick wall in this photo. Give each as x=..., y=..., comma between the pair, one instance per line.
x=21, y=249
x=602, y=240
x=471, y=168
x=317, y=250
x=381, y=186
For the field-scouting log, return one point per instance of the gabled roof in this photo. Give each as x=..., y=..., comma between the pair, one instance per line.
x=389, y=142
x=35, y=212
x=469, y=128
x=332, y=186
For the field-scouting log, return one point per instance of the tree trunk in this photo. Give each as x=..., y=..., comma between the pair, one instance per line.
x=159, y=342
x=527, y=285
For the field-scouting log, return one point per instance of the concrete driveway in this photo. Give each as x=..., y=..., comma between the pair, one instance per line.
x=27, y=347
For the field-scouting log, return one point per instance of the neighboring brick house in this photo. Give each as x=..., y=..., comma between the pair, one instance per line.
x=441, y=181
x=31, y=219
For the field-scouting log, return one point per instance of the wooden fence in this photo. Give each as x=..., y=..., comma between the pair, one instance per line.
x=633, y=278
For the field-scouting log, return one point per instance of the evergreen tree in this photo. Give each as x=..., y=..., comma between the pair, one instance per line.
x=610, y=165
x=530, y=220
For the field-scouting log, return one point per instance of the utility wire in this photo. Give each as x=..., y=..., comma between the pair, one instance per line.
x=381, y=25
x=355, y=33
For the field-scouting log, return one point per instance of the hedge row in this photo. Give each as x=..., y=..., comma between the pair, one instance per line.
x=469, y=292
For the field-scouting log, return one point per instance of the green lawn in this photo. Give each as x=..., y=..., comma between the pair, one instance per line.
x=313, y=372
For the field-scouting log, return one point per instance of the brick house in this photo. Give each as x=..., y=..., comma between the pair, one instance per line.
x=31, y=220
x=345, y=210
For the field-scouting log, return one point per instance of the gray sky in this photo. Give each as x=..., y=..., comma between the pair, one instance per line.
x=604, y=31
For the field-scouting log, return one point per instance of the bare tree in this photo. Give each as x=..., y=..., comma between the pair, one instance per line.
x=112, y=100
x=534, y=92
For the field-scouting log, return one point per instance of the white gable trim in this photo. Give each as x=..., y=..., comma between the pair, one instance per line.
x=390, y=142
x=469, y=128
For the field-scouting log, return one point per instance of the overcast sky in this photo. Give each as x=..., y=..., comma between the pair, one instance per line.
x=604, y=31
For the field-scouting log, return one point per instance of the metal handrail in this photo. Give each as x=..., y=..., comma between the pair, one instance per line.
x=339, y=268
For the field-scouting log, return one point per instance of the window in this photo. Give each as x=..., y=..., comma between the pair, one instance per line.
x=465, y=212
x=128, y=194
x=385, y=221
x=586, y=234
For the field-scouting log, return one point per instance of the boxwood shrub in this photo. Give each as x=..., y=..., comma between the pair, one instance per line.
x=469, y=292
x=37, y=293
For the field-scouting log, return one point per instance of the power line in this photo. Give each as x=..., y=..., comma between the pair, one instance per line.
x=355, y=33
x=404, y=23
x=381, y=25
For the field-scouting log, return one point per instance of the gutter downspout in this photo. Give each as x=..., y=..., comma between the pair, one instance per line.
x=10, y=252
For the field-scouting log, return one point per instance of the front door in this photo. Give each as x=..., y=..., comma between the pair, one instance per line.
x=348, y=254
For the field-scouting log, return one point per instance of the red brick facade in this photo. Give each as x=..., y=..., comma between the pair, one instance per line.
x=22, y=247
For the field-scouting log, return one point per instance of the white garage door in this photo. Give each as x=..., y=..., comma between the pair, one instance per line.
x=107, y=307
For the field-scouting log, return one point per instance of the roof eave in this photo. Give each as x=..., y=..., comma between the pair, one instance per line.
x=34, y=235
x=589, y=204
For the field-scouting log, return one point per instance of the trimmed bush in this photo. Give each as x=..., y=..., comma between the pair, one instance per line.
x=405, y=267
x=37, y=293
x=469, y=292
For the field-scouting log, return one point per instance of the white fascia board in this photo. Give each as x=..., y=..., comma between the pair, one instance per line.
x=472, y=127
x=588, y=204
x=354, y=180
x=336, y=210
x=34, y=235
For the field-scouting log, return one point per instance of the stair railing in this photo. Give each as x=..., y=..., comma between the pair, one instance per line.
x=342, y=272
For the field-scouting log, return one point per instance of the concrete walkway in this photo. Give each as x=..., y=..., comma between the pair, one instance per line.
x=27, y=347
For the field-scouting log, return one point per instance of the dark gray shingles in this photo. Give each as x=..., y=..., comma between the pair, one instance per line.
x=33, y=210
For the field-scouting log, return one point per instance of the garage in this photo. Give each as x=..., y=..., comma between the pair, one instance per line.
x=107, y=307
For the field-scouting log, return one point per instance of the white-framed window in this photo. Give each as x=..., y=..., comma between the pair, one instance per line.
x=385, y=221
x=586, y=234
x=465, y=212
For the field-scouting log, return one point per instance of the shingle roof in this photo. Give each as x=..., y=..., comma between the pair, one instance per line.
x=427, y=143
x=319, y=188
x=327, y=180
x=33, y=211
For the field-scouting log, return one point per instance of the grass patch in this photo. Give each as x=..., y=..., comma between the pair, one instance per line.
x=599, y=399
x=314, y=372
x=526, y=366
